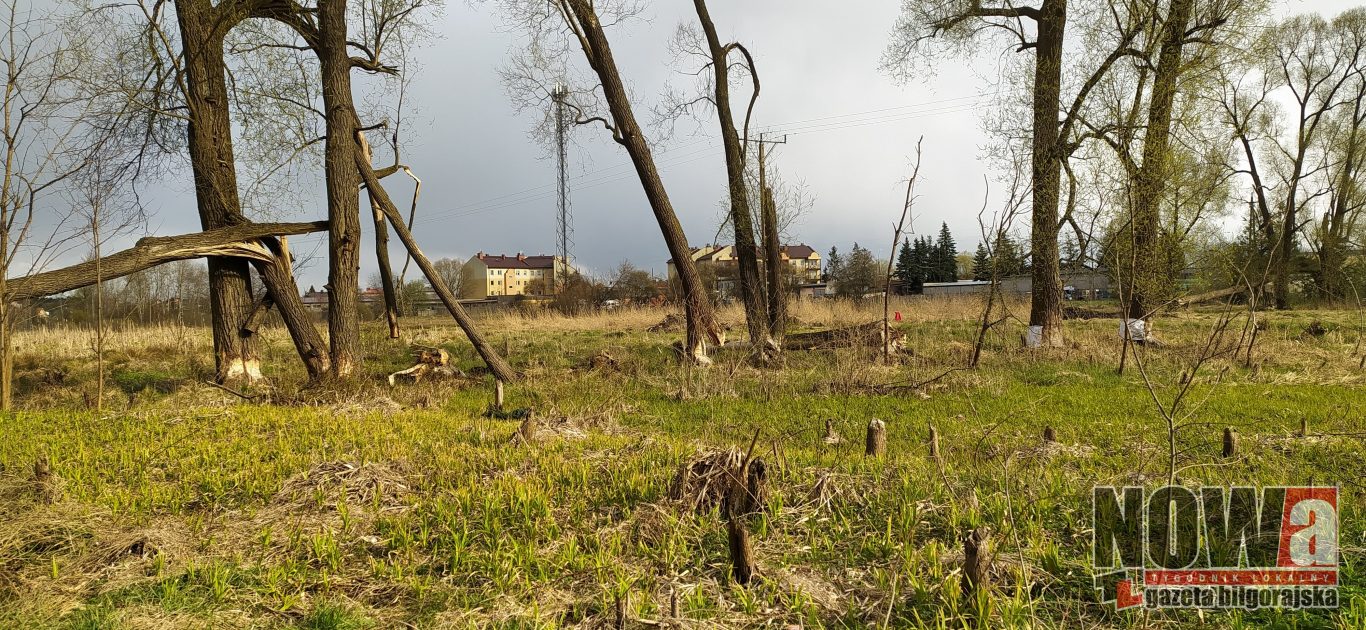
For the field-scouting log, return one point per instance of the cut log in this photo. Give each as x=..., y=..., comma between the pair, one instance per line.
x=427, y=361
x=863, y=335
x=241, y=241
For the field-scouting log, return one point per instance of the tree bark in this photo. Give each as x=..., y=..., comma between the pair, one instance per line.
x=1046, y=289
x=343, y=189
x=202, y=28
x=1147, y=286
x=746, y=251
x=1336, y=226
x=500, y=368
x=239, y=242
x=215, y=179
x=278, y=276
x=386, y=271
x=701, y=318
x=777, y=293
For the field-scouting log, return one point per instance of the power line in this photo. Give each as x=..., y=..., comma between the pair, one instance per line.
x=621, y=172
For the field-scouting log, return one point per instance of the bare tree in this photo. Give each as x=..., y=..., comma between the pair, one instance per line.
x=1347, y=152
x=734, y=142
x=1040, y=28
x=41, y=129
x=1316, y=70
x=897, y=229
x=552, y=27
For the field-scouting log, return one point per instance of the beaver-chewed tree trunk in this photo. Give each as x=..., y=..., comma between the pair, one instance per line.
x=875, y=443
x=976, y=561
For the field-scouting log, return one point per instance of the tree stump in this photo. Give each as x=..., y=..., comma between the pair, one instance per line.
x=42, y=480
x=1049, y=435
x=875, y=444
x=498, y=394
x=1230, y=442
x=976, y=561
x=830, y=436
x=741, y=554
x=1304, y=427
x=934, y=443
x=527, y=431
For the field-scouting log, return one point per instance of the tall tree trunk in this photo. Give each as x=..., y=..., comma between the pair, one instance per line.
x=215, y=180
x=1046, y=291
x=701, y=318
x=1335, y=223
x=6, y=352
x=202, y=29
x=386, y=271
x=343, y=189
x=1147, y=286
x=746, y=251
x=777, y=293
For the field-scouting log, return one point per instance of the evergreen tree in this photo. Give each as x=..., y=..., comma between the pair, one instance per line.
x=1010, y=261
x=981, y=263
x=833, y=264
x=923, y=255
x=1071, y=252
x=946, y=256
x=905, y=266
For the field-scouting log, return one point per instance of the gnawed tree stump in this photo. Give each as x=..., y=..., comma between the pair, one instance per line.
x=830, y=436
x=526, y=433
x=868, y=335
x=433, y=361
x=742, y=562
x=875, y=442
x=705, y=482
x=934, y=443
x=976, y=561
x=1049, y=435
x=1230, y=442
x=44, y=482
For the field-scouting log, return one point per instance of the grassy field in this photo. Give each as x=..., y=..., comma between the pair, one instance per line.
x=183, y=506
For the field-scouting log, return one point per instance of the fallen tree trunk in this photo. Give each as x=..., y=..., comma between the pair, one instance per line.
x=239, y=241
x=278, y=276
x=861, y=335
x=1215, y=295
x=500, y=368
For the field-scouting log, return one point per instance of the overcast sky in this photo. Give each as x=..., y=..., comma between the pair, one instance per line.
x=851, y=131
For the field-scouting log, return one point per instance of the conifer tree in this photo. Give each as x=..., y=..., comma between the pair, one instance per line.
x=981, y=264
x=905, y=266
x=946, y=256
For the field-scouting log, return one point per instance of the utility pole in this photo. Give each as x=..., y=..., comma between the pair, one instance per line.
x=773, y=258
x=563, y=226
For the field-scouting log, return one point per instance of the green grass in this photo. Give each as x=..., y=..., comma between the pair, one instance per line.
x=188, y=508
